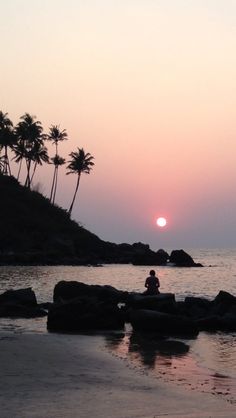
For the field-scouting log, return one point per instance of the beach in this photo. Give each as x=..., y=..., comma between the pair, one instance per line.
x=58, y=375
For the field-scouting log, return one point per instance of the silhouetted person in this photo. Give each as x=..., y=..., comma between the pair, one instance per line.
x=152, y=284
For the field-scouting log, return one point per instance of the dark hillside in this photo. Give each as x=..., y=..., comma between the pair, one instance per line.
x=32, y=229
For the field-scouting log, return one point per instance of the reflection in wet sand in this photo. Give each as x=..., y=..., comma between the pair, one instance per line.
x=172, y=360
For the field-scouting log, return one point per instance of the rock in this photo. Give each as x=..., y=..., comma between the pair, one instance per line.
x=196, y=307
x=149, y=258
x=181, y=259
x=163, y=302
x=225, y=298
x=222, y=303
x=152, y=321
x=213, y=323
x=164, y=255
x=19, y=311
x=209, y=323
x=85, y=313
x=65, y=291
x=23, y=297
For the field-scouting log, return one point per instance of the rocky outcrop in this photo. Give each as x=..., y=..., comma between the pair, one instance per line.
x=85, y=313
x=25, y=297
x=68, y=290
x=146, y=257
x=163, y=302
x=20, y=303
x=78, y=306
x=182, y=259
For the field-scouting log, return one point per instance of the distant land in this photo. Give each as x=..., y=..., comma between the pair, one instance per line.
x=34, y=231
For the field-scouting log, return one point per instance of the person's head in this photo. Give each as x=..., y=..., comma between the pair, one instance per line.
x=152, y=273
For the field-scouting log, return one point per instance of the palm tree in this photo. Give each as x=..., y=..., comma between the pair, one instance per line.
x=39, y=155
x=57, y=161
x=55, y=135
x=7, y=140
x=80, y=162
x=30, y=135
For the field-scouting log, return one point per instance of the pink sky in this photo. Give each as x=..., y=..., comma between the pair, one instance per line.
x=149, y=89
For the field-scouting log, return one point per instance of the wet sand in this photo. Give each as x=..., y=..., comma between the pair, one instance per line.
x=69, y=376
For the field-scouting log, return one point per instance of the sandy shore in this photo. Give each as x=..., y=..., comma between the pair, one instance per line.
x=69, y=376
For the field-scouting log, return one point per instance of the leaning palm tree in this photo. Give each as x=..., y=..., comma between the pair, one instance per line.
x=7, y=140
x=30, y=134
x=57, y=161
x=56, y=135
x=80, y=162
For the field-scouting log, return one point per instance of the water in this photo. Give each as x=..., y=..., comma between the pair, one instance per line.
x=210, y=364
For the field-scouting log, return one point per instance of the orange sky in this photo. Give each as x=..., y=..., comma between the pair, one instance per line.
x=149, y=89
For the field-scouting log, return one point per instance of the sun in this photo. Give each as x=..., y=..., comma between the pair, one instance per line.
x=161, y=222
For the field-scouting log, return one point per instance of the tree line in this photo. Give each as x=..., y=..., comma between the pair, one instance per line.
x=26, y=142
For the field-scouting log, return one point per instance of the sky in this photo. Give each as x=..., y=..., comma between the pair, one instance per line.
x=148, y=87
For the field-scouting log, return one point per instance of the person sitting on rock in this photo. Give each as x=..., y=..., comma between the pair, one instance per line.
x=152, y=284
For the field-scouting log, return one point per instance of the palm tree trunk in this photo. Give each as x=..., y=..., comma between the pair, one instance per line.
x=55, y=186
x=6, y=167
x=27, y=181
x=76, y=190
x=18, y=174
x=35, y=165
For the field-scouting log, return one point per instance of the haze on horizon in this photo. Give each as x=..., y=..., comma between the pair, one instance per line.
x=149, y=89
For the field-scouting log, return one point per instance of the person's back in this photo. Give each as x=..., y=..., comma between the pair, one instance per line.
x=152, y=284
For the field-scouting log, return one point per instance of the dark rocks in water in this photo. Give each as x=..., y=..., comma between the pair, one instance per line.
x=163, y=302
x=18, y=311
x=64, y=291
x=20, y=303
x=196, y=307
x=24, y=297
x=83, y=314
x=213, y=323
x=163, y=254
x=223, y=302
x=149, y=258
x=182, y=259
x=163, y=323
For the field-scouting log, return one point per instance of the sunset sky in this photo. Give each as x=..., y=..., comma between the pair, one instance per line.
x=148, y=87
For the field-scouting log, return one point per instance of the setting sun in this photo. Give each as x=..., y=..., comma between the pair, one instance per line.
x=161, y=222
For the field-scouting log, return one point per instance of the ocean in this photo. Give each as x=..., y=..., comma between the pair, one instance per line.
x=210, y=364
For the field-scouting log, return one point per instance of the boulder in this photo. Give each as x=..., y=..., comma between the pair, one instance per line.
x=152, y=321
x=208, y=323
x=181, y=259
x=23, y=297
x=163, y=302
x=149, y=258
x=83, y=314
x=163, y=254
x=228, y=322
x=213, y=323
x=196, y=307
x=223, y=303
x=19, y=311
x=65, y=291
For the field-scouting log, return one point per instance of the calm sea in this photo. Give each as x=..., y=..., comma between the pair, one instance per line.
x=210, y=364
